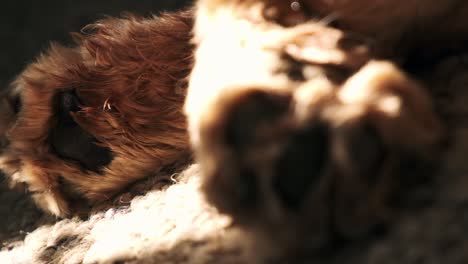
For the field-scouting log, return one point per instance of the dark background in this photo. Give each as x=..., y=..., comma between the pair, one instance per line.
x=28, y=26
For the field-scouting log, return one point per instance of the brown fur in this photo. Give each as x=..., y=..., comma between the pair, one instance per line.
x=132, y=89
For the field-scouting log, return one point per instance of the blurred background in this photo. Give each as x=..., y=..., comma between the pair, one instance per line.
x=26, y=28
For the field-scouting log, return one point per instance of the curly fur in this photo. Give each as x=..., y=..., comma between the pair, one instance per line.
x=131, y=92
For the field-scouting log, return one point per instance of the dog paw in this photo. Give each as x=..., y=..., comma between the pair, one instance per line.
x=301, y=136
x=318, y=161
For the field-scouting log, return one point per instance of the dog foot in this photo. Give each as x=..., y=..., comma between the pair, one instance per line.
x=316, y=162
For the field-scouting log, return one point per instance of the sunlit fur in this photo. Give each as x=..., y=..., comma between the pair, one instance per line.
x=130, y=75
x=329, y=62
